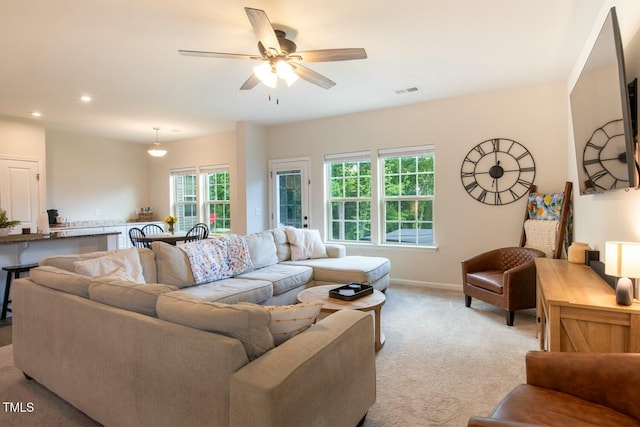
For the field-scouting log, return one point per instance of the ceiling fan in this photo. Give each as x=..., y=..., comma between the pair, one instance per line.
x=279, y=58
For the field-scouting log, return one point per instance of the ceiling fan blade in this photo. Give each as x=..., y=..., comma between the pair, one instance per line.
x=250, y=83
x=325, y=55
x=312, y=77
x=218, y=54
x=264, y=31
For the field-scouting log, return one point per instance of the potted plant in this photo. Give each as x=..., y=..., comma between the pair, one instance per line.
x=171, y=221
x=5, y=224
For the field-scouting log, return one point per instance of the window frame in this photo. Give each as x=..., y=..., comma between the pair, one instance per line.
x=205, y=172
x=342, y=223
x=182, y=224
x=378, y=198
x=404, y=153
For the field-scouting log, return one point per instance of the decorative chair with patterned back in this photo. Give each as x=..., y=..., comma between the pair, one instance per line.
x=198, y=232
x=134, y=235
x=152, y=229
x=506, y=277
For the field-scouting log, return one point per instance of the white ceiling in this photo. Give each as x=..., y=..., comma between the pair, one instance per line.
x=124, y=53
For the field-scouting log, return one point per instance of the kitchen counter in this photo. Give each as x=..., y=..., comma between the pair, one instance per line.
x=55, y=235
x=106, y=223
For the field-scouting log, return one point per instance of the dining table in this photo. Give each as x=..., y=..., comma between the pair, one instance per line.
x=170, y=238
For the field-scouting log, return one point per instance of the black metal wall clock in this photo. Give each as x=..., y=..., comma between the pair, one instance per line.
x=498, y=171
x=604, y=158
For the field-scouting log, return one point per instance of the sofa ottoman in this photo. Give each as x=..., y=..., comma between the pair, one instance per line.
x=349, y=269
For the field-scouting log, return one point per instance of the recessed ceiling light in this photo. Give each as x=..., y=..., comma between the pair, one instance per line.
x=36, y=114
x=85, y=98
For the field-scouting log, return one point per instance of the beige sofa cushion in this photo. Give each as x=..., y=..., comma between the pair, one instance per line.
x=249, y=323
x=305, y=243
x=283, y=251
x=173, y=265
x=140, y=298
x=66, y=262
x=348, y=269
x=62, y=280
x=283, y=277
x=231, y=291
x=127, y=260
x=148, y=263
x=262, y=249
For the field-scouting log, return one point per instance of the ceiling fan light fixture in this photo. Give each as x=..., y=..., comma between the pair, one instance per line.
x=286, y=73
x=266, y=75
x=156, y=151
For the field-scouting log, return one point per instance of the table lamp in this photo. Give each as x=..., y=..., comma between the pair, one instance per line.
x=622, y=259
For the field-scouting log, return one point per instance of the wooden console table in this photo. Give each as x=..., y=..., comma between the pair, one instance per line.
x=577, y=311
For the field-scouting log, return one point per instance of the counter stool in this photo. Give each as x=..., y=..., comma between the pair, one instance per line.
x=12, y=270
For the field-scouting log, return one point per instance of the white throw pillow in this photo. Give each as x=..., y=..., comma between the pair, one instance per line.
x=305, y=244
x=119, y=275
x=127, y=260
x=262, y=249
x=289, y=320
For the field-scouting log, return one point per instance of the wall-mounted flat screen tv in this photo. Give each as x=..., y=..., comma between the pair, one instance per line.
x=600, y=111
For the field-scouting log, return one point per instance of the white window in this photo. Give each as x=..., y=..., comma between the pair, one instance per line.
x=349, y=198
x=408, y=193
x=217, y=197
x=184, y=198
x=397, y=211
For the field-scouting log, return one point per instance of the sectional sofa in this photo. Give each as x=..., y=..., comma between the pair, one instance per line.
x=142, y=336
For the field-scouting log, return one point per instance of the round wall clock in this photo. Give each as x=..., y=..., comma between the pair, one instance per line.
x=498, y=171
x=604, y=158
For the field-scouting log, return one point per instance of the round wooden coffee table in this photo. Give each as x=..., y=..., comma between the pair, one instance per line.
x=372, y=302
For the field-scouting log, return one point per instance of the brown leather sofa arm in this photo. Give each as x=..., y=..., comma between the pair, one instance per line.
x=492, y=422
x=483, y=262
x=610, y=379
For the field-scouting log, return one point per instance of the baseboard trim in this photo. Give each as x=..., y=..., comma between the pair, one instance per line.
x=421, y=284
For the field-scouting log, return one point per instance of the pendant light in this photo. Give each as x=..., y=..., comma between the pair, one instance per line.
x=156, y=151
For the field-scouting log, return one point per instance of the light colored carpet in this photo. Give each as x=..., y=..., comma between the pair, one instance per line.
x=441, y=364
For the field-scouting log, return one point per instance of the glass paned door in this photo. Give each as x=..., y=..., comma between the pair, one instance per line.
x=290, y=190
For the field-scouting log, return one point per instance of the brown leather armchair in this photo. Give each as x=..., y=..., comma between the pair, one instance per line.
x=504, y=277
x=572, y=389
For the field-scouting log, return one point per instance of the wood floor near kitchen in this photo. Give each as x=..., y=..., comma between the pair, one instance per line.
x=5, y=332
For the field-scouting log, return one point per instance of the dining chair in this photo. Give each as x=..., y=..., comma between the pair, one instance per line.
x=134, y=235
x=152, y=229
x=199, y=231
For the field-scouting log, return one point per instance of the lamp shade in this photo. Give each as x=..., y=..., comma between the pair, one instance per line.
x=156, y=151
x=622, y=259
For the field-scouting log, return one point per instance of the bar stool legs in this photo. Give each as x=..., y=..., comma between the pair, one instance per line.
x=12, y=271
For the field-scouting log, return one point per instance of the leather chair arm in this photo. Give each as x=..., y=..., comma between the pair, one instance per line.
x=483, y=421
x=610, y=379
x=524, y=275
x=483, y=262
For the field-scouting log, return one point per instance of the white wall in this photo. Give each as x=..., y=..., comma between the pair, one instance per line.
x=252, y=178
x=612, y=215
x=534, y=116
x=90, y=178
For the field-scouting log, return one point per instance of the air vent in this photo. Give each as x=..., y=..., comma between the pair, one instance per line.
x=407, y=90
